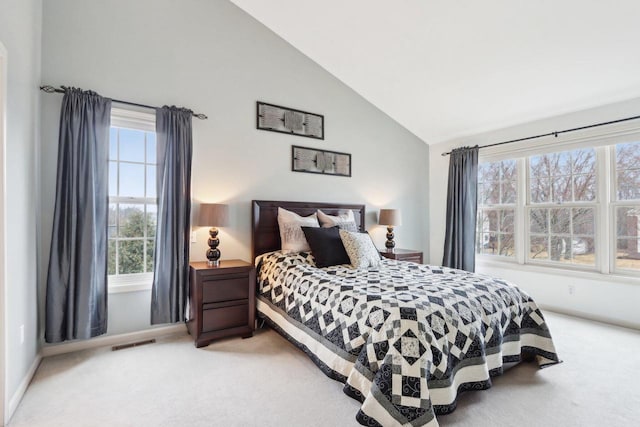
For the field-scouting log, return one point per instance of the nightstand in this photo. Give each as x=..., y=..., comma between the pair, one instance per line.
x=403, y=255
x=222, y=300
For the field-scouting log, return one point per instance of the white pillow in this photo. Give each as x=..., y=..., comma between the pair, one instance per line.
x=344, y=220
x=360, y=248
x=291, y=234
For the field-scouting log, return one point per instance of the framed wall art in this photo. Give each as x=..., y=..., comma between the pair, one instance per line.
x=275, y=118
x=311, y=160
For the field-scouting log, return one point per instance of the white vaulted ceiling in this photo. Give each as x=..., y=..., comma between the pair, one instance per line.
x=444, y=69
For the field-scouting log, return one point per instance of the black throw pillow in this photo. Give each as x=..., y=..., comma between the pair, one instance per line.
x=326, y=246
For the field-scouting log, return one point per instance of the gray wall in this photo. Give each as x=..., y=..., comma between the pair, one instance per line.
x=214, y=58
x=20, y=34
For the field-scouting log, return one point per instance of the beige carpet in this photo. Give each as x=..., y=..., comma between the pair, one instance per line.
x=265, y=381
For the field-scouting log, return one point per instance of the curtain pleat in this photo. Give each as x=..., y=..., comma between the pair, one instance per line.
x=171, y=257
x=462, y=207
x=76, y=296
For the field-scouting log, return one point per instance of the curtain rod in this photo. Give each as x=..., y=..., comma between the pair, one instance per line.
x=51, y=89
x=556, y=133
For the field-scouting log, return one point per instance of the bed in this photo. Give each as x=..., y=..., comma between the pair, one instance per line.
x=405, y=339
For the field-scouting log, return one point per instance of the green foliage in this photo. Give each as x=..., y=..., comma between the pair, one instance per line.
x=130, y=241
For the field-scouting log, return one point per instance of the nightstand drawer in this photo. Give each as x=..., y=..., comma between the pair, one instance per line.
x=416, y=259
x=225, y=290
x=216, y=319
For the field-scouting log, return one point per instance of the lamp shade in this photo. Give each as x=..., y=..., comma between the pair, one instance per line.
x=213, y=215
x=390, y=217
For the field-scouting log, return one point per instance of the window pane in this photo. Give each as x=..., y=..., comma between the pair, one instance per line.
x=560, y=163
x=540, y=190
x=112, y=220
x=508, y=170
x=131, y=256
x=113, y=144
x=151, y=147
x=507, y=247
x=507, y=217
x=132, y=145
x=583, y=221
x=132, y=221
x=508, y=192
x=111, y=261
x=584, y=187
x=582, y=251
x=560, y=220
x=489, y=243
x=131, y=180
x=583, y=161
x=538, y=221
x=150, y=246
x=151, y=181
x=539, y=166
x=538, y=248
x=113, y=178
x=152, y=215
x=628, y=254
x=492, y=193
x=628, y=156
x=628, y=184
x=561, y=187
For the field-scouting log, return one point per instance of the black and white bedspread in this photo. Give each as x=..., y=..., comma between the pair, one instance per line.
x=404, y=338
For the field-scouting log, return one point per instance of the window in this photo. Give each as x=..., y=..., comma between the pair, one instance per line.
x=627, y=206
x=132, y=196
x=562, y=208
x=579, y=208
x=497, y=196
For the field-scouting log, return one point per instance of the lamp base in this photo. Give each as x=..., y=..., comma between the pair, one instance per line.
x=213, y=253
x=390, y=244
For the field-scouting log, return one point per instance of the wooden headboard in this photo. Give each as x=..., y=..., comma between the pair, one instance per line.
x=265, y=234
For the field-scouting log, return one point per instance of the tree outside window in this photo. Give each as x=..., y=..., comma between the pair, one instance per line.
x=497, y=196
x=562, y=209
x=627, y=206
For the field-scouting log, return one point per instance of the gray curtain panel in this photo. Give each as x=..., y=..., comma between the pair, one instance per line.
x=462, y=208
x=76, y=299
x=171, y=257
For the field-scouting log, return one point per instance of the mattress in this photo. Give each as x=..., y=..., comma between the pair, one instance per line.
x=404, y=338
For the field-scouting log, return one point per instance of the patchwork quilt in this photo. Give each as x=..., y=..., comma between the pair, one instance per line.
x=404, y=338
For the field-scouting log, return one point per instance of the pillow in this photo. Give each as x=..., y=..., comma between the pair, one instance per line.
x=326, y=246
x=345, y=220
x=291, y=234
x=360, y=248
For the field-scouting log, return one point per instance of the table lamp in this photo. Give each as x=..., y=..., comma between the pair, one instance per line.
x=390, y=218
x=213, y=215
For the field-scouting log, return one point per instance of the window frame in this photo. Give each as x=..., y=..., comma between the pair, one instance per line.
x=603, y=141
x=502, y=207
x=529, y=205
x=614, y=203
x=136, y=120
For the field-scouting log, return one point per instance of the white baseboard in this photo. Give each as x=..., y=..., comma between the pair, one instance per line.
x=54, y=349
x=22, y=388
x=589, y=316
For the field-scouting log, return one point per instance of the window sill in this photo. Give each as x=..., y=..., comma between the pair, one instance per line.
x=553, y=270
x=130, y=283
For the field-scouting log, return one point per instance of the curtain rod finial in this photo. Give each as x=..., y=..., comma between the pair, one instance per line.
x=48, y=89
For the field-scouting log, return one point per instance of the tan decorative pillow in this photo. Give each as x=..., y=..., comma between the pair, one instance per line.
x=360, y=248
x=291, y=235
x=344, y=220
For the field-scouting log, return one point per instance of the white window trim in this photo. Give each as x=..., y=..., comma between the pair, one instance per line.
x=603, y=140
x=142, y=121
